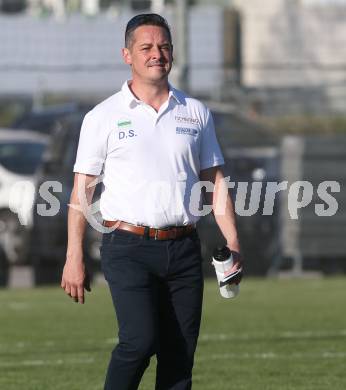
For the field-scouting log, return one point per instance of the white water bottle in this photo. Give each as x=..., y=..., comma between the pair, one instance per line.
x=223, y=263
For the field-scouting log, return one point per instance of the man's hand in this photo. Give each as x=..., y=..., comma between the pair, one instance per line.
x=237, y=265
x=75, y=279
x=224, y=213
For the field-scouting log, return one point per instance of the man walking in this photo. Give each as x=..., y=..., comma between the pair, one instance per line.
x=153, y=145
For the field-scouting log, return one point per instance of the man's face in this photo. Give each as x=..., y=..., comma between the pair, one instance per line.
x=149, y=54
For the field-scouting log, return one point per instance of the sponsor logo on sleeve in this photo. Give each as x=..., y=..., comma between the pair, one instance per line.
x=186, y=131
x=186, y=120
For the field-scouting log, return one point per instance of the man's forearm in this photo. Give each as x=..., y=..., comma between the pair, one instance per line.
x=222, y=206
x=227, y=224
x=76, y=222
x=75, y=230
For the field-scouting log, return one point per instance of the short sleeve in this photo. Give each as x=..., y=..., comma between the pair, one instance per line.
x=210, y=152
x=92, y=147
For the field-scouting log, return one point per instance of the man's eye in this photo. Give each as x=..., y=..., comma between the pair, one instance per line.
x=145, y=48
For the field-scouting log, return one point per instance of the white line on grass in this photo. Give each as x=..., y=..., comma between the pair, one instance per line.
x=57, y=362
x=48, y=344
x=206, y=337
x=112, y=340
x=274, y=356
x=261, y=335
x=224, y=356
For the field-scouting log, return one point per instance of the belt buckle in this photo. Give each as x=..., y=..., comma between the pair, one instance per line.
x=146, y=233
x=167, y=228
x=174, y=234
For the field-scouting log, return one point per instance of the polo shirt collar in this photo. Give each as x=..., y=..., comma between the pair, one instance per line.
x=174, y=93
x=131, y=98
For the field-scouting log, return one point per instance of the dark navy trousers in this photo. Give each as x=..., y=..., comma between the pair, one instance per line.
x=157, y=292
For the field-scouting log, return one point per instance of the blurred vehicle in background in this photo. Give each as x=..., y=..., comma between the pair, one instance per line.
x=20, y=155
x=47, y=119
x=12, y=6
x=257, y=162
x=49, y=234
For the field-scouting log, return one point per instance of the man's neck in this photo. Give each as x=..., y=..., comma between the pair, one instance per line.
x=152, y=94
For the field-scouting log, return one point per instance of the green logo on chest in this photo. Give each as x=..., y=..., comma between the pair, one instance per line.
x=123, y=123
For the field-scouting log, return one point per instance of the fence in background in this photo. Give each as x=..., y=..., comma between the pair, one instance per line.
x=318, y=233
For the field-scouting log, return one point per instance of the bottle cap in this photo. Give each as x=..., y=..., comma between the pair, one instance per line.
x=221, y=253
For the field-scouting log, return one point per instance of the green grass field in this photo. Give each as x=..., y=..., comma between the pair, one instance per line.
x=278, y=334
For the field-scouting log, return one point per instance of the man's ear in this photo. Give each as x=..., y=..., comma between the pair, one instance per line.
x=126, y=56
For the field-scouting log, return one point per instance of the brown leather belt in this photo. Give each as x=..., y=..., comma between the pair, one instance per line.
x=170, y=233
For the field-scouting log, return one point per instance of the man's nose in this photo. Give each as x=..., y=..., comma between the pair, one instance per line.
x=156, y=52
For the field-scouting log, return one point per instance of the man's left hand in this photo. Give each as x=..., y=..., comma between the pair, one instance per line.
x=237, y=265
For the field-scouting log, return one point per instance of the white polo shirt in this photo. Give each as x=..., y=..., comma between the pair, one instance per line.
x=150, y=160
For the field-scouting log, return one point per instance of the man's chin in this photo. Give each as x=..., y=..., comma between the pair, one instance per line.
x=159, y=75
x=159, y=70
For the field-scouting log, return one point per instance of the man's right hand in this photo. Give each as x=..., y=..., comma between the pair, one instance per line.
x=75, y=279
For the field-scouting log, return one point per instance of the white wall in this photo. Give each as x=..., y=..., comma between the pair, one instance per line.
x=82, y=55
x=293, y=43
